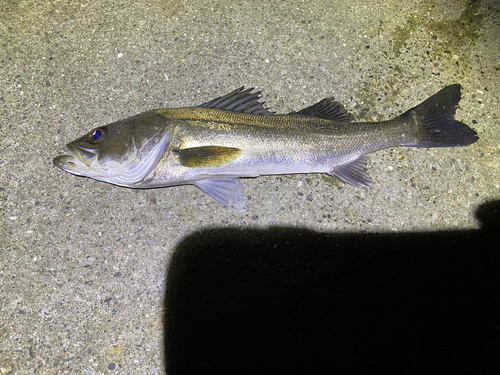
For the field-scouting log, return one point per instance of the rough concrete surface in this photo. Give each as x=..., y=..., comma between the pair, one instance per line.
x=83, y=263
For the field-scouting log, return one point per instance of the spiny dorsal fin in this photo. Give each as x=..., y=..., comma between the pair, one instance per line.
x=327, y=109
x=239, y=100
x=207, y=156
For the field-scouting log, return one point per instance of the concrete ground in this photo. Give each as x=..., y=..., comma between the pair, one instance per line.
x=83, y=263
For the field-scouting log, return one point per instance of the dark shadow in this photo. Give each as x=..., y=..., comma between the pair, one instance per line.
x=294, y=301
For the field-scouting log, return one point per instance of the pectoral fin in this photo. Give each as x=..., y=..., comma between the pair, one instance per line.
x=353, y=173
x=207, y=156
x=228, y=191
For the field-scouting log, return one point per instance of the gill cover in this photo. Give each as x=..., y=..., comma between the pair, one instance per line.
x=121, y=153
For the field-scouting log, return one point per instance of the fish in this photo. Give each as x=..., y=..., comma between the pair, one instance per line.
x=214, y=144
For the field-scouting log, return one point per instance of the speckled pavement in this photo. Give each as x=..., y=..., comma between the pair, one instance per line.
x=83, y=264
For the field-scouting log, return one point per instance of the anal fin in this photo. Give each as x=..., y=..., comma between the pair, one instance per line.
x=353, y=173
x=228, y=191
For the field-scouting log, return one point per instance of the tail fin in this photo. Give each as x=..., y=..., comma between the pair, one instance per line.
x=440, y=129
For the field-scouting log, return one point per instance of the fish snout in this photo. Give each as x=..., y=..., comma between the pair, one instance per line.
x=80, y=159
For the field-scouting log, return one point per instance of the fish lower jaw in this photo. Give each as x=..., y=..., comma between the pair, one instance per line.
x=71, y=164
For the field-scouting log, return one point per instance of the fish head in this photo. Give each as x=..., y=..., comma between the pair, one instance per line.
x=122, y=153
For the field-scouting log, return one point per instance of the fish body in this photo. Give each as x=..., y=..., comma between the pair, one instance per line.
x=234, y=136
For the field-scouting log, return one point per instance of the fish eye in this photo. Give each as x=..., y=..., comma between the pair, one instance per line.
x=97, y=135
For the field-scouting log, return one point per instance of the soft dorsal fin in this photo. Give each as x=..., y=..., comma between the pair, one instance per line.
x=239, y=100
x=327, y=109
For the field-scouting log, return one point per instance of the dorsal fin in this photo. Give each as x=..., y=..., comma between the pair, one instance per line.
x=239, y=100
x=327, y=109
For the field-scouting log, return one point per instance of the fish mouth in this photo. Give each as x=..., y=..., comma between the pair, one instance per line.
x=80, y=160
